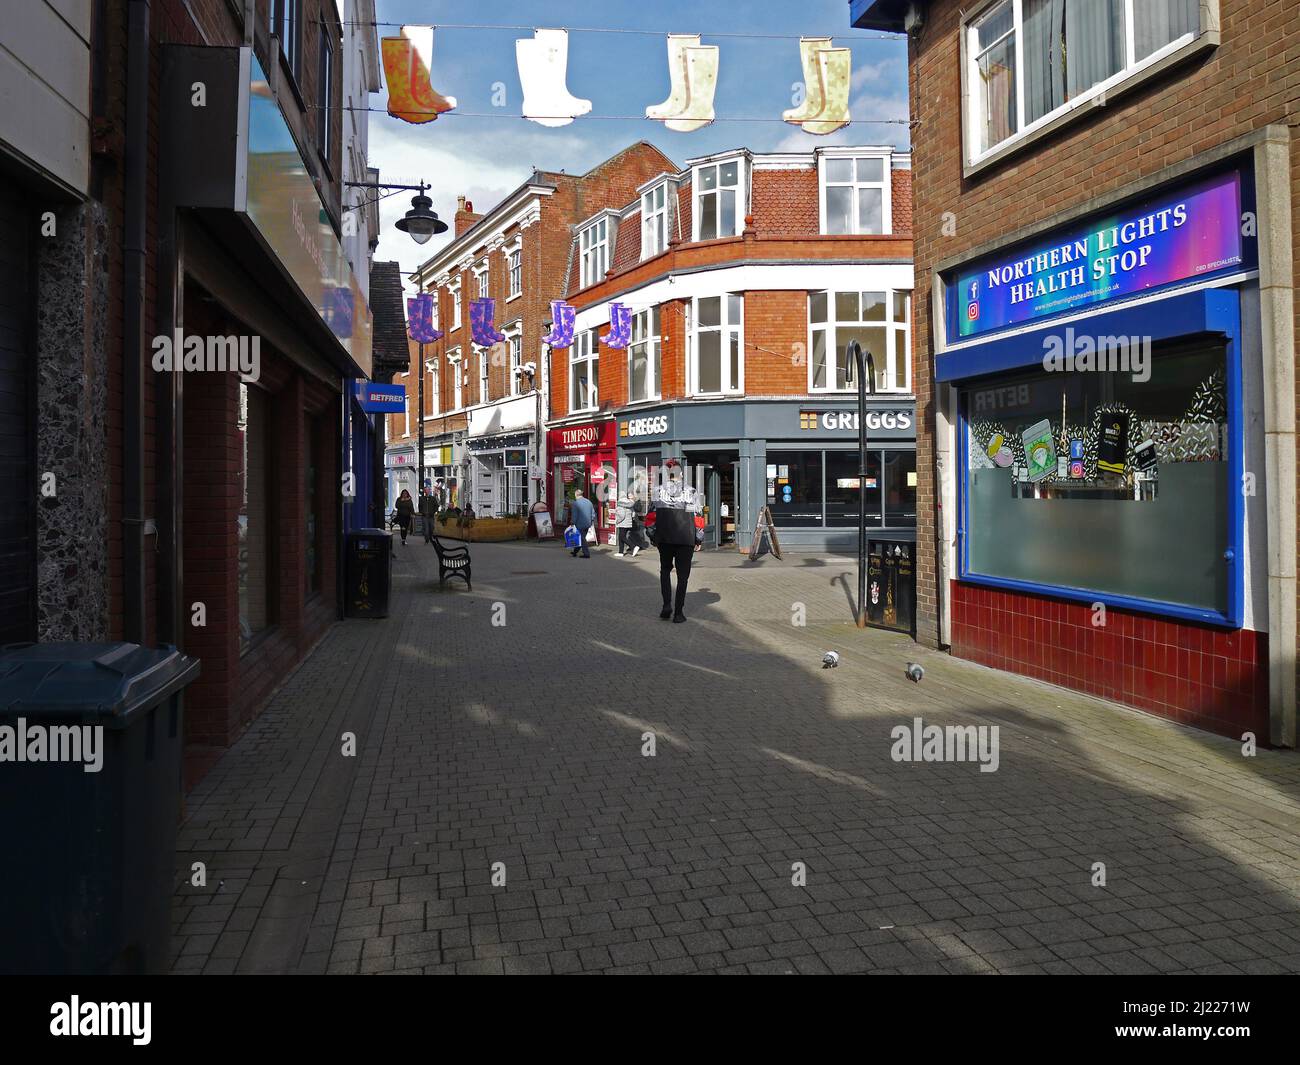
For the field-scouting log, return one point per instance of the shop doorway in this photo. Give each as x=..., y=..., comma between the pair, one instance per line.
x=718, y=471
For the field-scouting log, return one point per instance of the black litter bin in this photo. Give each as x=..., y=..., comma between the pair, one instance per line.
x=368, y=570
x=90, y=786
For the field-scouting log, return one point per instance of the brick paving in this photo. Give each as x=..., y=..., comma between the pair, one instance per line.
x=521, y=744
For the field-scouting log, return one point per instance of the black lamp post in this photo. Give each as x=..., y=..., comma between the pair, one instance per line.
x=865, y=366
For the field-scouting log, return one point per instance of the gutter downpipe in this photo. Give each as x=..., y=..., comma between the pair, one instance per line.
x=135, y=177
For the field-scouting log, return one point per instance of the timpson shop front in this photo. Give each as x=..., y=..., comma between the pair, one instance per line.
x=583, y=458
x=800, y=459
x=1101, y=396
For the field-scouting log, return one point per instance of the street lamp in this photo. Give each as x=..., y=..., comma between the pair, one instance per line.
x=865, y=367
x=420, y=222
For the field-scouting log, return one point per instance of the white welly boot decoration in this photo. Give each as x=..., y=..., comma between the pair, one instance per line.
x=701, y=81
x=543, y=67
x=835, y=73
x=677, y=95
x=814, y=99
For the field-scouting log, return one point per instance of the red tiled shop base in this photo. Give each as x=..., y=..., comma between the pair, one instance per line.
x=1215, y=679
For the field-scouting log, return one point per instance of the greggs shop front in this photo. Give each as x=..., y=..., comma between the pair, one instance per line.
x=1101, y=401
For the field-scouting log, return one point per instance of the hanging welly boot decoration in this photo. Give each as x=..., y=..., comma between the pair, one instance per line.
x=620, y=327
x=543, y=65
x=563, y=316
x=419, y=313
x=408, y=60
x=693, y=77
x=481, y=329
x=827, y=72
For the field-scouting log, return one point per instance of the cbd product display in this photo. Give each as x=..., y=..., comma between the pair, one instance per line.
x=1144, y=456
x=1040, y=450
x=1112, y=441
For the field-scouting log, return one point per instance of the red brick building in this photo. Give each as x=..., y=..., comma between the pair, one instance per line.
x=746, y=275
x=482, y=404
x=1087, y=175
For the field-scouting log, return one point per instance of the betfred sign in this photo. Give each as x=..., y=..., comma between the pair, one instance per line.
x=589, y=437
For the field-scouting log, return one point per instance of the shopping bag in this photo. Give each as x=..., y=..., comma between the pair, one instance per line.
x=572, y=538
x=591, y=534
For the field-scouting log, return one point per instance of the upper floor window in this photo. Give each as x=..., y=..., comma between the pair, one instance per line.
x=654, y=221
x=483, y=364
x=881, y=324
x=719, y=200
x=325, y=94
x=716, y=366
x=643, y=356
x=855, y=194
x=481, y=279
x=287, y=25
x=584, y=361
x=457, y=379
x=435, y=397
x=1029, y=60
x=515, y=269
x=453, y=289
x=515, y=351
x=594, y=245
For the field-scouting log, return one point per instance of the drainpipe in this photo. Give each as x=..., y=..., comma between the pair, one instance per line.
x=134, y=348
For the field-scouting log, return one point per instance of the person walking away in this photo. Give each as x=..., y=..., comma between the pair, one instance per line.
x=676, y=526
x=405, y=511
x=623, y=524
x=429, y=512
x=638, y=537
x=582, y=516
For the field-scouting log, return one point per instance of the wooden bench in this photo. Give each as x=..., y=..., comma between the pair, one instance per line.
x=452, y=562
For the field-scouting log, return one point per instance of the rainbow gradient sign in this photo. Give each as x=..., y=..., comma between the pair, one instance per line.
x=1190, y=233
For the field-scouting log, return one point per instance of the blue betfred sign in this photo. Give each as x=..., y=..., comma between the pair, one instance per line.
x=381, y=399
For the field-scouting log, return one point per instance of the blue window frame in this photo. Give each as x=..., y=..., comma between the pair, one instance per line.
x=1208, y=314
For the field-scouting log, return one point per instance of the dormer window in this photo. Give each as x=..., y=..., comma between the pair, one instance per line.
x=654, y=220
x=594, y=245
x=855, y=194
x=719, y=199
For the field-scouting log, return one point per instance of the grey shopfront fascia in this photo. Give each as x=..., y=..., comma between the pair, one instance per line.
x=756, y=431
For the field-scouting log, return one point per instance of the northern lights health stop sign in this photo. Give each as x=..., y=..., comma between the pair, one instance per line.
x=1192, y=232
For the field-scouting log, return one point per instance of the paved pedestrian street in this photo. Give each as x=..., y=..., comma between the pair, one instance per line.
x=499, y=814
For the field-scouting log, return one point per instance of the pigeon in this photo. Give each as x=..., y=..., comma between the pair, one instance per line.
x=830, y=660
x=914, y=672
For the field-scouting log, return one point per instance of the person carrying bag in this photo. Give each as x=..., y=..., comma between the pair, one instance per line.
x=675, y=525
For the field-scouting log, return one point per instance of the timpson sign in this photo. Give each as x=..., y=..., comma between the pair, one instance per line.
x=588, y=437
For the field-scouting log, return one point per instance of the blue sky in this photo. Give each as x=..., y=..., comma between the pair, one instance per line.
x=484, y=158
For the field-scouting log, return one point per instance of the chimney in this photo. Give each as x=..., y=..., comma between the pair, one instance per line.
x=465, y=216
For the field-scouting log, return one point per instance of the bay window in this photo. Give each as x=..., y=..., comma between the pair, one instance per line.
x=643, y=355
x=717, y=364
x=583, y=366
x=719, y=200
x=654, y=221
x=879, y=321
x=594, y=245
x=855, y=194
x=1029, y=60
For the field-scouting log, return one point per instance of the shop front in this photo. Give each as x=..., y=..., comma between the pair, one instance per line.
x=499, y=473
x=400, y=474
x=799, y=459
x=584, y=458
x=1099, y=381
x=440, y=470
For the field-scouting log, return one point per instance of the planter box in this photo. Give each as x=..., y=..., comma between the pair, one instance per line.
x=484, y=530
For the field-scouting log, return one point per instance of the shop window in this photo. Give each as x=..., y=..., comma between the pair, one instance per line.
x=311, y=506
x=717, y=364
x=719, y=199
x=842, y=491
x=654, y=220
x=1031, y=60
x=583, y=367
x=594, y=245
x=255, y=521
x=1104, y=482
x=878, y=321
x=794, y=488
x=855, y=194
x=643, y=355
x=898, y=486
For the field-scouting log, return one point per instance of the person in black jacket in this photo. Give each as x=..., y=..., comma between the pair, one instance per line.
x=676, y=526
x=405, y=512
